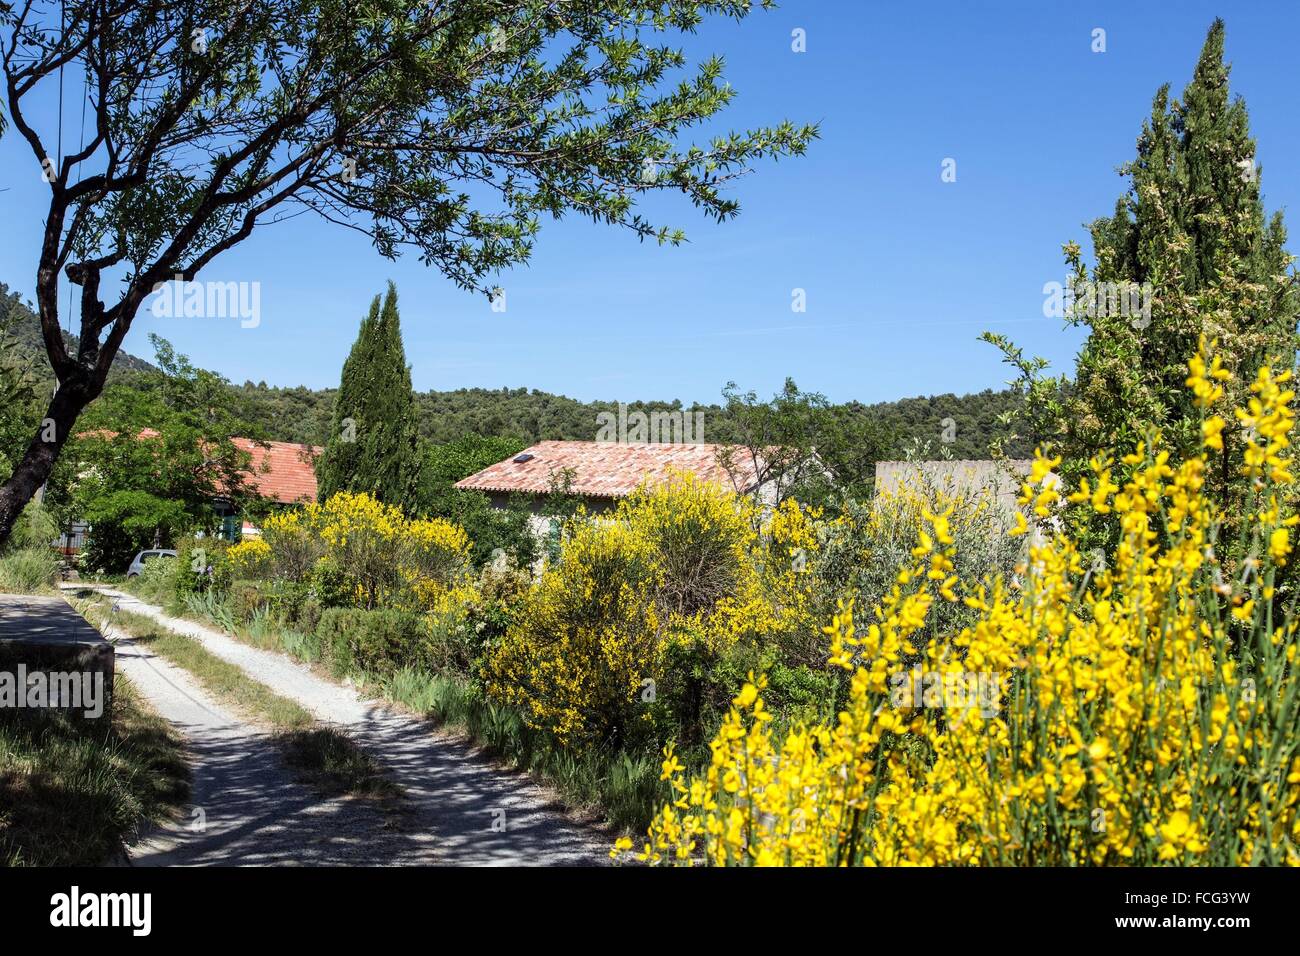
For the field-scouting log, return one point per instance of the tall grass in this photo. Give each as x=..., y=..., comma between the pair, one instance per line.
x=208, y=605
x=305, y=647
x=625, y=786
x=28, y=571
x=71, y=793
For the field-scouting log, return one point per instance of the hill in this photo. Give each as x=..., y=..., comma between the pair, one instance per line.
x=20, y=322
x=963, y=426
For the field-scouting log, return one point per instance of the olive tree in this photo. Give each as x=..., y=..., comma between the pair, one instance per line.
x=448, y=127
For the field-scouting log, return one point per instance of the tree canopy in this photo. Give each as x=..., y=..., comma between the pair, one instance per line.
x=150, y=459
x=451, y=129
x=1188, y=252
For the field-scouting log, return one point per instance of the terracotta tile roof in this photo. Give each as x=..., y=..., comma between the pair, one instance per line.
x=281, y=471
x=605, y=469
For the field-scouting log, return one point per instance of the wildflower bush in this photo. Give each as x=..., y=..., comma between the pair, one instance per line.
x=585, y=638
x=250, y=558
x=697, y=541
x=377, y=557
x=294, y=538
x=625, y=633
x=355, y=551
x=1140, y=706
x=868, y=542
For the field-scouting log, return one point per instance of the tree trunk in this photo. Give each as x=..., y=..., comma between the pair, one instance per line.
x=42, y=453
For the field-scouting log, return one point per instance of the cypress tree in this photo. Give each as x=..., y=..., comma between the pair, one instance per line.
x=1192, y=226
x=1190, y=246
x=374, y=442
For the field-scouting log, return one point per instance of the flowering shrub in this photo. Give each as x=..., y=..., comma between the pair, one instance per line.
x=251, y=558
x=869, y=542
x=575, y=657
x=363, y=553
x=1134, y=708
x=295, y=541
x=379, y=643
x=655, y=599
x=385, y=559
x=699, y=541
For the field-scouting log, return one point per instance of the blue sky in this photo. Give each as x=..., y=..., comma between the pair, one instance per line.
x=901, y=270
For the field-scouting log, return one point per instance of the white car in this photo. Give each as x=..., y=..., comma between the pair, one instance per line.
x=141, y=559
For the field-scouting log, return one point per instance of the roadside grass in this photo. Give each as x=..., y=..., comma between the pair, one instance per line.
x=29, y=571
x=323, y=757
x=624, y=786
x=72, y=793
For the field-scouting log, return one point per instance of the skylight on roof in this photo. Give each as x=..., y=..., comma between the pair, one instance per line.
x=520, y=459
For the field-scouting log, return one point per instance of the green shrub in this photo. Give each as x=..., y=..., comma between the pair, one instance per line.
x=308, y=615
x=501, y=592
x=802, y=694
x=200, y=566
x=330, y=585
x=157, y=582
x=378, y=643
x=27, y=561
x=452, y=644
x=28, y=570
x=247, y=599
x=294, y=603
x=35, y=528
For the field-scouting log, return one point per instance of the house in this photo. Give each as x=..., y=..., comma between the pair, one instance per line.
x=1001, y=479
x=600, y=473
x=282, y=473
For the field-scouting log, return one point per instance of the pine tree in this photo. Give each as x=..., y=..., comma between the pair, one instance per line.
x=374, y=443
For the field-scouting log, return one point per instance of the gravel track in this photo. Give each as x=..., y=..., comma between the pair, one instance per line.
x=475, y=812
x=246, y=808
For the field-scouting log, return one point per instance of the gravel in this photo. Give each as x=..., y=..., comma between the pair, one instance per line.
x=246, y=807
x=474, y=812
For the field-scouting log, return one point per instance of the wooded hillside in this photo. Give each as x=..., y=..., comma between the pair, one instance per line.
x=962, y=425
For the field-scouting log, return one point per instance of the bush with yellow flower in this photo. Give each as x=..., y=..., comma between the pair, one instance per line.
x=627, y=633
x=1135, y=707
x=250, y=558
x=357, y=551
